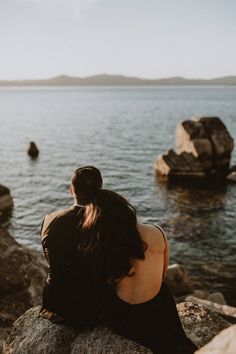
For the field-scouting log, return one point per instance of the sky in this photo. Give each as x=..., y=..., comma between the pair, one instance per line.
x=144, y=38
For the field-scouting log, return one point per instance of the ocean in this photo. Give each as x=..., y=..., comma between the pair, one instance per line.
x=121, y=130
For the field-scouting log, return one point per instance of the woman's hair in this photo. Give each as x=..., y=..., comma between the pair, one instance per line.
x=109, y=229
x=87, y=182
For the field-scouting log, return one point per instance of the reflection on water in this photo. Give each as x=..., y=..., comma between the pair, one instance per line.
x=205, y=243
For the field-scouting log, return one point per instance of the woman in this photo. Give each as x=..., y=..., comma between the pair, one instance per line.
x=104, y=268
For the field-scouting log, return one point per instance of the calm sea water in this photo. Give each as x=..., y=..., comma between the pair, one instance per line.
x=120, y=130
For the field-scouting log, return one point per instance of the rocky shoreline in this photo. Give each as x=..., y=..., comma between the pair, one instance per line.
x=22, y=277
x=204, y=149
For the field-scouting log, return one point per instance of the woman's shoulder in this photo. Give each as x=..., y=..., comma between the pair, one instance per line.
x=154, y=236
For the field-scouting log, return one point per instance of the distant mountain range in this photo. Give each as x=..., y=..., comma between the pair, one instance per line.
x=117, y=80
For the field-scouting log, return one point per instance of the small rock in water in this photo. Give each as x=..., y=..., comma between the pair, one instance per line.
x=33, y=151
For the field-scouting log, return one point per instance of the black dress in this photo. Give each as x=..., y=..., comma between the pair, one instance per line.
x=154, y=323
x=73, y=296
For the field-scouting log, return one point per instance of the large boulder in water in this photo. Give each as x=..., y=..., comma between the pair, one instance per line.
x=22, y=278
x=33, y=334
x=6, y=204
x=192, y=138
x=203, y=150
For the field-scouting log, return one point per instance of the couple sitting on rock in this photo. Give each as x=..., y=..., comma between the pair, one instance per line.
x=106, y=269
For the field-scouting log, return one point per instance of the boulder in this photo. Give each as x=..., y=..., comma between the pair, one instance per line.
x=208, y=139
x=224, y=342
x=33, y=151
x=179, y=165
x=178, y=280
x=203, y=150
x=6, y=204
x=222, y=142
x=216, y=297
x=34, y=334
x=200, y=324
x=22, y=277
x=192, y=138
x=222, y=309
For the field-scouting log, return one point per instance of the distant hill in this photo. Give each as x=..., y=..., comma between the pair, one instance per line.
x=117, y=80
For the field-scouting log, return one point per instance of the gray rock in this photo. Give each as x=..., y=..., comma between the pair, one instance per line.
x=170, y=162
x=22, y=277
x=224, y=342
x=178, y=280
x=179, y=165
x=194, y=164
x=217, y=132
x=203, y=150
x=200, y=324
x=33, y=334
x=6, y=204
x=225, y=310
x=191, y=137
x=218, y=298
x=201, y=294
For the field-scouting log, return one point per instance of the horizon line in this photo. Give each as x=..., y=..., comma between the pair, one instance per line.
x=120, y=75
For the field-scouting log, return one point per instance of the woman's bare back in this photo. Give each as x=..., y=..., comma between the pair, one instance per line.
x=148, y=273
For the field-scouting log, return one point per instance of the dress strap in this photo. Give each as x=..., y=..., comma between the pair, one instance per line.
x=162, y=231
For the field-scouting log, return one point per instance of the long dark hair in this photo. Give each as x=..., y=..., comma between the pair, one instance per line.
x=109, y=228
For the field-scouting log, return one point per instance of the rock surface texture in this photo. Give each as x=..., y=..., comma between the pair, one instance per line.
x=223, y=343
x=203, y=149
x=222, y=309
x=33, y=334
x=200, y=324
x=6, y=204
x=22, y=277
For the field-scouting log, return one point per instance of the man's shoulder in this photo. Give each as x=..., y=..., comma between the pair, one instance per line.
x=54, y=218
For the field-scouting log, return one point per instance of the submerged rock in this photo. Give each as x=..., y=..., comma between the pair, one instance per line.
x=203, y=151
x=224, y=342
x=33, y=151
x=6, y=204
x=33, y=334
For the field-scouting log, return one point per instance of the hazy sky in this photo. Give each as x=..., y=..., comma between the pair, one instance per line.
x=146, y=38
